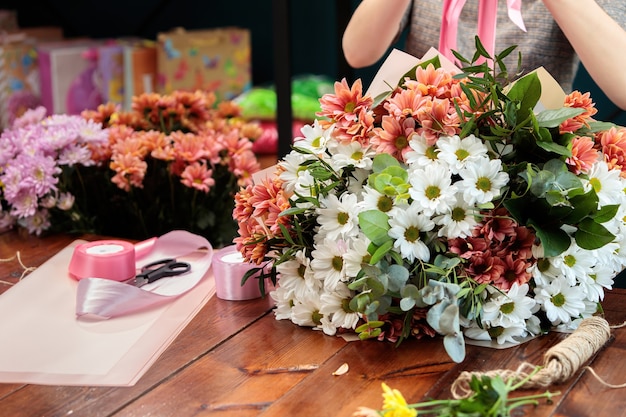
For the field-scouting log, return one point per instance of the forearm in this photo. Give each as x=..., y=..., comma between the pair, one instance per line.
x=599, y=42
x=371, y=30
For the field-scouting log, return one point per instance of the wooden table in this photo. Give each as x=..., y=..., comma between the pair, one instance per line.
x=235, y=359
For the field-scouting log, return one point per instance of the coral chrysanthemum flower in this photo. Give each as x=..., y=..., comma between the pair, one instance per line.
x=394, y=136
x=613, y=143
x=583, y=155
x=406, y=103
x=578, y=101
x=188, y=146
x=130, y=171
x=431, y=81
x=346, y=103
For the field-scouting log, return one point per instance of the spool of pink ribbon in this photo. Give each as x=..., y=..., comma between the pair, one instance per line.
x=487, y=18
x=228, y=270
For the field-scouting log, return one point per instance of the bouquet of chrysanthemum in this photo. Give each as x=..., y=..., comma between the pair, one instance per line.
x=173, y=162
x=451, y=205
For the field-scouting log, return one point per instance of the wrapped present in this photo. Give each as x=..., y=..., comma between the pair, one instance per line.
x=110, y=72
x=215, y=60
x=19, y=78
x=140, y=70
x=67, y=71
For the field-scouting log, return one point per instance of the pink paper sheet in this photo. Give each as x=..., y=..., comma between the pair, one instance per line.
x=42, y=341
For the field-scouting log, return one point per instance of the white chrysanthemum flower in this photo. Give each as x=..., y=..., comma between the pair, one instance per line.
x=432, y=189
x=327, y=263
x=338, y=218
x=296, y=276
x=574, y=262
x=482, y=180
x=335, y=306
x=374, y=200
x=596, y=282
x=500, y=334
x=510, y=309
x=458, y=221
x=356, y=254
x=292, y=169
x=307, y=311
x=607, y=184
x=542, y=271
x=560, y=301
x=422, y=154
x=304, y=184
x=458, y=153
x=356, y=180
x=406, y=228
x=283, y=301
x=352, y=153
x=315, y=137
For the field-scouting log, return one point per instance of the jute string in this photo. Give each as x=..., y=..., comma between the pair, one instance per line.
x=26, y=269
x=560, y=362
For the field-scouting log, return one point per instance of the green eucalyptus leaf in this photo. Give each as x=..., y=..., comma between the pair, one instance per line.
x=407, y=304
x=455, y=347
x=398, y=276
x=382, y=161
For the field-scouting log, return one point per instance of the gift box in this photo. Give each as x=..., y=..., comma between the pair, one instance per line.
x=215, y=60
x=110, y=74
x=67, y=71
x=19, y=78
x=140, y=70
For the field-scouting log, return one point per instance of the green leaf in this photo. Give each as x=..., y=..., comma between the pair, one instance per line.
x=526, y=91
x=375, y=225
x=553, y=118
x=554, y=240
x=606, y=213
x=592, y=235
x=382, y=161
x=381, y=251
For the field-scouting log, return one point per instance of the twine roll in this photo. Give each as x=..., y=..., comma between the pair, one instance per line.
x=560, y=362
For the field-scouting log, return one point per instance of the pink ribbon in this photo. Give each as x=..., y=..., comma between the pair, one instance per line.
x=487, y=18
x=228, y=269
x=105, y=296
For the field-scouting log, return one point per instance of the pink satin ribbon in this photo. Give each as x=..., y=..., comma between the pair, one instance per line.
x=228, y=269
x=107, y=297
x=487, y=18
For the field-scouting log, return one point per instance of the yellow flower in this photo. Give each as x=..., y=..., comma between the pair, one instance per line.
x=394, y=404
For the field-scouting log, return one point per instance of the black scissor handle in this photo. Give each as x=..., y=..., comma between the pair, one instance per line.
x=163, y=268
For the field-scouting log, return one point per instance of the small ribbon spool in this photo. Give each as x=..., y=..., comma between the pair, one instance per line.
x=108, y=259
x=228, y=270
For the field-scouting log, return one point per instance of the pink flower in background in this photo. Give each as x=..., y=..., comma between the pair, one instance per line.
x=198, y=176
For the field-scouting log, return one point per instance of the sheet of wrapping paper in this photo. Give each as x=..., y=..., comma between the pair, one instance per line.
x=44, y=343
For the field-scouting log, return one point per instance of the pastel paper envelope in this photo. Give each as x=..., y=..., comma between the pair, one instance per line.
x=44, y=343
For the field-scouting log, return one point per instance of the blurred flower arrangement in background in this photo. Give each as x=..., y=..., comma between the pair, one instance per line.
x=453, y=204
x=172, y=162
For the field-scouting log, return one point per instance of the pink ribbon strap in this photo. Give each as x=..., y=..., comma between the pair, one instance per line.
x=104, y=296
x=487, y=18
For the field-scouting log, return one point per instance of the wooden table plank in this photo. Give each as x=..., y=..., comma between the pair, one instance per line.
x=235, y=359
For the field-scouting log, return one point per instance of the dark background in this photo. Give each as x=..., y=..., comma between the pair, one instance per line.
x=315, y=28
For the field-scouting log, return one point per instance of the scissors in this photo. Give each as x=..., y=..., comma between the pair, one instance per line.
x=160, y=269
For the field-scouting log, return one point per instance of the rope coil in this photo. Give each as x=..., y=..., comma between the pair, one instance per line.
x=26, y=269
x=560, y=362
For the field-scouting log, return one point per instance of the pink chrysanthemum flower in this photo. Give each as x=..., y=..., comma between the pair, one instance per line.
x=441, y=120
x=198, y=176
x=406, y=103
x=130, y=171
